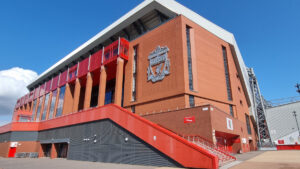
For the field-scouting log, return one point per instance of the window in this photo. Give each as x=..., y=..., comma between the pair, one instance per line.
x=33, y=110
x=94, y=96
x=60, y=104
x=188, y=43
x=52, y=104
x=192, y=101
x=231, y=110
x=133, y=109
x=44, y=113
x=38, y=111
x=134, y=67
x=110, y=91
x=248, y=124
x=229, y=96
x=108, y=97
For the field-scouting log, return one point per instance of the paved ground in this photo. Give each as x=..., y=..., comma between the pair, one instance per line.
x=252, y=160
x=272, y=160
x=45, y=163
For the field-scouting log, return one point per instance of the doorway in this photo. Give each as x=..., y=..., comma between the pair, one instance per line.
x=12, y=152
x=47, y=150
x=61, y=149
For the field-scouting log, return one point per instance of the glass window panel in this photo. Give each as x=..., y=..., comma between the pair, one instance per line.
x=39, y=109
x=231, y=110
x=192, y=101
x=44, y=113
x=226, y=73
x=33, y=110
x=248, y=124
x=54, y=93
x=60, y=101
x=189, y=53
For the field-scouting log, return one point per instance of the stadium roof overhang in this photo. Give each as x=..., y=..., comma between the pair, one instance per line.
x=143, y=17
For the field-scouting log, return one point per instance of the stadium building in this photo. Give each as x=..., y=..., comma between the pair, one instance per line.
x=160, y=86
x=283, y=122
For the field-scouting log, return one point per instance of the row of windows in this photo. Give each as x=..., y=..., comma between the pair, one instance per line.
x=37, y=111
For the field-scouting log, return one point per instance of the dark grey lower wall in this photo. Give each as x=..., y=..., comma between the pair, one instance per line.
x=19, y=136
x=5, y=137
x=105, y=141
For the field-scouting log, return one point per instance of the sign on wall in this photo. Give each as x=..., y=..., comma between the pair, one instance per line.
x=13, y=144
x=229, y=124
x=190, y=119
x=159, y=64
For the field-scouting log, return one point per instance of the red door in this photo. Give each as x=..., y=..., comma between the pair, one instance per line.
x=12, y=151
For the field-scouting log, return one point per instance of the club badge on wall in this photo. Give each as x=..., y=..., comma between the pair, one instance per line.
x=159, y=64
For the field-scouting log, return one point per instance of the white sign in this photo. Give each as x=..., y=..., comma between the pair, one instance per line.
x=229, y=124
x=13, y=144
x=158, y=59
x=244, y=140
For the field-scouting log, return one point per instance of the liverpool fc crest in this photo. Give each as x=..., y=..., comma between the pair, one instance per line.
x=159, y=64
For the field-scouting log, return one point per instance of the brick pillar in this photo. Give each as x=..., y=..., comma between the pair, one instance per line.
x=119, y=81
x=68, y=101
x=76, y=95
x=41, y=152
x=102, y=87
x=27, y=107
x=31, y=107
x=53, y=151
x=88, y=91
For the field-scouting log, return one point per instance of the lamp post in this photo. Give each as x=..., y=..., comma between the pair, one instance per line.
x=295, y=115
x=298, y=87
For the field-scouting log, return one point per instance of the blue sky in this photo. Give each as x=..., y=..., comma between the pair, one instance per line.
x=36, y=34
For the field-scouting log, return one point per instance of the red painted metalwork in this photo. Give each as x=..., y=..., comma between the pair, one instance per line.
x=18, y=103
x=36, y=92
x=31, y=95
x=54, y=83
x=288, y=147
x=63, y=78
x=22, y=101
x=19, y=113
x=26, y=98
x=124, y=47
x=280, y=141
x=72, y=73
x=48, y=86
x=186, y=153
x=42, y=89
x=112, y=52
x=83, y=67
x=95, y=62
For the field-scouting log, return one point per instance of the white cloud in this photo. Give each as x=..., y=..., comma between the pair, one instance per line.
x=13, y=84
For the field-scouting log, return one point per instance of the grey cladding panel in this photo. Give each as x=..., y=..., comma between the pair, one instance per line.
x=105, y=141
x=24, y=136
x=5, y=137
